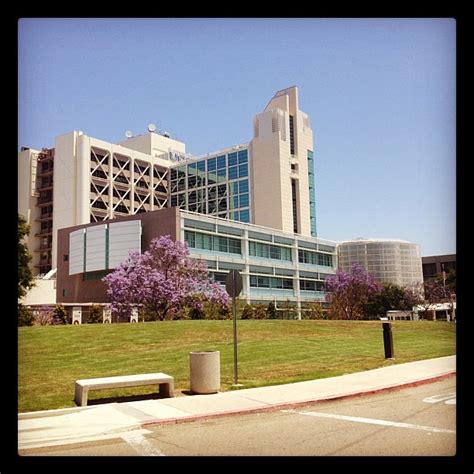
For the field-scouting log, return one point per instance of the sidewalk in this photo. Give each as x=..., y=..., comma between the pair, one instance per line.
x=97, y=422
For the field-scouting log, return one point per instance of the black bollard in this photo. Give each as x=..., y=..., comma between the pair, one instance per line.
x=388, y=340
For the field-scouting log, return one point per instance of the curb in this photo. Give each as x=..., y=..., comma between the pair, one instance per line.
x=302, y=403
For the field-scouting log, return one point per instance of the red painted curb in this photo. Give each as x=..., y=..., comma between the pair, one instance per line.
x=281, y=406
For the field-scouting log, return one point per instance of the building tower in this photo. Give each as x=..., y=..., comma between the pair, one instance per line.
x=282, y=166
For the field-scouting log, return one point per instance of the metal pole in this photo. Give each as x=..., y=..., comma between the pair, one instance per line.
x=388, y=340
x=234, y=316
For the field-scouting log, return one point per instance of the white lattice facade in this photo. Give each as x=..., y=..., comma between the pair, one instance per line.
x=388, y=261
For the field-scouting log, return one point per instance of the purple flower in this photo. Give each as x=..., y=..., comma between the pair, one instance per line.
x=163, y=280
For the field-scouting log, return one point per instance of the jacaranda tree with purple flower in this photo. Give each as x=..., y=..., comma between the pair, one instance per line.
x=347, y=293
x=162, y=280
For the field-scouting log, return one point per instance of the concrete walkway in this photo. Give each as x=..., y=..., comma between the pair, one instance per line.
x=82, y=424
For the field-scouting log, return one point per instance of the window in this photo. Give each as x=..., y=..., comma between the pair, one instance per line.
x=312, y=200
x=295, y=206
x=221, y=175
x=314, y=258
x=234, y=202
x=274, y=252
x=292, y=135
x=212, y=242
x=222, y=244
x=307, y=285
x=243, y=157
x=219, y=277
x=243, y=186
x=244, y=200
x=233, y=172
x=235, y=246
x=243, y=171
x=244, y=216
x=211, y=164
x=271, y=282
x=189, y=237
x=232, y=159
x=221, y=190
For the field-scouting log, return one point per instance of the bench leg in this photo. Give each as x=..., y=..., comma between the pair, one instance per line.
x=80, y=396
x=166, y=389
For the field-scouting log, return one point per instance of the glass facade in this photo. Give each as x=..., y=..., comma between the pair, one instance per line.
x=213, y=243
x=275, y=252
x=315, y=258
x=312, y=199
x=295, y=205
x=274, y=267
x=271, y=282
x=216, y=185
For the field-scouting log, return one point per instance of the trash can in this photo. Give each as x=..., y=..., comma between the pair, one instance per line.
x=205, y=371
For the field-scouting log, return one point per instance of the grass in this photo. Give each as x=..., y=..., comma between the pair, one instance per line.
x=51, y=358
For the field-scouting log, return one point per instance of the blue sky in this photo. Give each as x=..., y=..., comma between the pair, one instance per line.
x=380, y=94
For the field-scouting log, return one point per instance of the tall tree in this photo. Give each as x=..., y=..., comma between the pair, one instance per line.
x=163, y=280
x=25, y=275
x=347, y=293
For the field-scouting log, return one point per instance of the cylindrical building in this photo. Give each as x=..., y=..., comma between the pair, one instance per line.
x=387, y=260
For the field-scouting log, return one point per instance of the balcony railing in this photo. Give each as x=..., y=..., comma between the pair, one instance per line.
x=44, y=217
x=45, y=199
x=44, y=232
x=44, y=248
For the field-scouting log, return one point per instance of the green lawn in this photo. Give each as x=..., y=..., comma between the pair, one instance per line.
x=51, y=358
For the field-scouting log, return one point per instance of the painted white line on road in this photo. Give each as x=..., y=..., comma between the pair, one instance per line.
x=452, y=401
x=439, y=398
x=371, y=421
x=141, y=445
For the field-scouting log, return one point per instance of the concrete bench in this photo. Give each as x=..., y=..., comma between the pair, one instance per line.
x=164, y=381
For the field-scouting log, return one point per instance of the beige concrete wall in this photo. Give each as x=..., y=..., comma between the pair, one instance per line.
x=27, y=200
x=65, y=192
x=153, y=144
x=272, y=204
x=44, y=292
x=304, y=142
x=266, y=175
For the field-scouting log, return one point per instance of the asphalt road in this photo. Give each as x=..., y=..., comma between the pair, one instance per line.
x=417, y=421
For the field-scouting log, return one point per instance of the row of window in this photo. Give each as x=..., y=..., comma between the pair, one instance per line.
x=241, y=216
x=284, y=283
x=212, y=242
x=311, y=285
x=214, y=177
x=314, y=258
x=275, y=252
x=216, y=167
x=213, y=164
x=213, y=200
x=271, y=282
x=256, y=249
x=312, y=202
